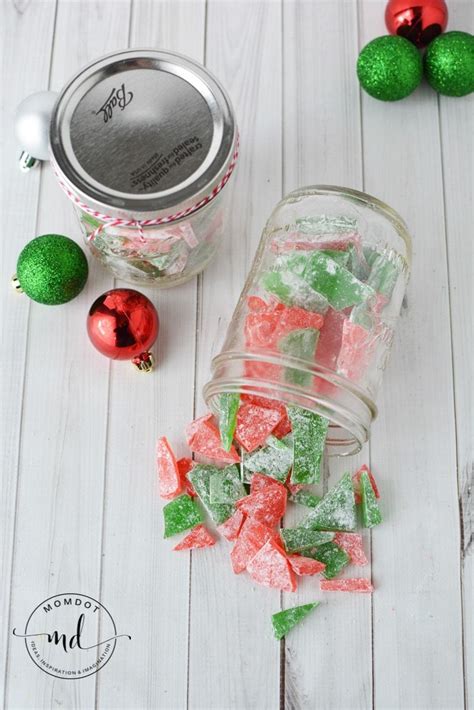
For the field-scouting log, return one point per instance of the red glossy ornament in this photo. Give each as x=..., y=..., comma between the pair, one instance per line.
x=122, y=324
x=419, y=21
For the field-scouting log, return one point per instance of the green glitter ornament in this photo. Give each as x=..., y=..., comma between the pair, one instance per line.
x=389, y=68
x=449, y=64
x=51, y=269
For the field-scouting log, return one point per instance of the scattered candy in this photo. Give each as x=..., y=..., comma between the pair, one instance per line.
x=255, y=424
x=370, y=510
x=228, y=406
x=346, y=585
x=332, y=557
x=231, y=528
x=169, y=478
x=271, y=568
x=181, y=514
x=252, y=538
x=299, y=539
x=225, y=486
x=198, y=537
x=305, y=566
x=267, y=505
x=337, y=510
x=352, y=544
x=284, y=621
x=275, y=459
x=200, y=477
x=309, y=436
x=184, y=466
x=203, y=438
x=306, y=498
x=356, y=483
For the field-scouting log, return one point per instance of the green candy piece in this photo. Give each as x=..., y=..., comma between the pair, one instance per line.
x=309, y=436
x=300, y=343
x=332, y=556
x=228, y=408
x=181, y=514
x=292, y=290
x=336, y=283
x=298, y=539
x=383, y=275
x=284, y=621
x=341, y=257
x=90, y=221
x=225, y=486
x=306, y=498
x=362, y=315
x=371, y=515
x=200, y=476
x=323, y=224
x=274, y=459
x=336, y=511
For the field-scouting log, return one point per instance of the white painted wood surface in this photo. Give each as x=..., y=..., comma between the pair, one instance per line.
x=78, y=500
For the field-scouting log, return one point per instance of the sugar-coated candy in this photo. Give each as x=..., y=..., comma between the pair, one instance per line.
x=275, y=459
x=200, y=477
x=253, y=536
x=328, y=224
x=352, y=544
x=231, y=528
x=346, y=585
x=271, y=568
x=259, y=482
x=356, y=482
x=284, y=621
x=330, y=338
x=225, y=486
x=300, y=344
x=357, y=348
x=198, y=537
x=370, y=510
x=203, y=438
x=341, y=288
x=309, y=437
x=299, y=539
x=305, y=566
x=306, y=498
x=292, y=290
x=255, y=424
x=336, y=511
x=169, y=479
x=266, y=505
x=181, y=514
x=332, y=557
x=185, y=464
x=283, y=427
x=228, y=407
x=384, y=274
x=341, y=257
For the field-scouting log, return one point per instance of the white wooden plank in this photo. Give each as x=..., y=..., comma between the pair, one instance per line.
x=59, y=516
x=146, y=583
x=328, y=658
x=27, y=32
x=417, y=619
x=457, y=142
x=234, y=662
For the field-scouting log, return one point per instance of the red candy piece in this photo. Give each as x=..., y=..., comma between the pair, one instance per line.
x=266, y=506
x=203, y=438
x=352, y=544
x=356, y=481
x=357, y=348
x=256, y=304
x=293, y=487
x=254, y=425
x=231, y=528
x=295, y=318
x=270, y=567
x=260, y=481
x=330, y=339
x=198, y=537
x=170, y=481
x=346, y=585
x=304, y=566
x=252, y=537
x=282, y=428
x=184, y=466
x=260, y=329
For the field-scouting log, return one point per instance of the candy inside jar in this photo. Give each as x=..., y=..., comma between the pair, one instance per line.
x=315, y=323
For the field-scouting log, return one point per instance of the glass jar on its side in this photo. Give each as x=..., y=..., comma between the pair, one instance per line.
x=314, y=324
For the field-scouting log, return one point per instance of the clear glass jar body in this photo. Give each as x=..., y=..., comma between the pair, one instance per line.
x=164, y=255
x=315, y=322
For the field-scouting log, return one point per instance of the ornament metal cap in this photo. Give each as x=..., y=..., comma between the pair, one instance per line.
x=144, y=362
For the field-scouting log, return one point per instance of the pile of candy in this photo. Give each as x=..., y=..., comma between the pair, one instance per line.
x=259, y=456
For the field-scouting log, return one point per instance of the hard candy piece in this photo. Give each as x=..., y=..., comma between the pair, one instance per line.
x=330, y=339
x=332, y=557
x=200, y=477
x=232, y=526
x=383, y=274
x=283, y=427
x=256, y=304
x=225, y=486
x=253, y=536
x=184, y=466
x=325, y=224
x=356, y=483
x=337, y=284
x=260, y=329
x=275, y=459
x=370, y=510
x=198, y=537
x=267, y=505
x=309, y=437
x=292, y=290
x=271, y=568
x=305, y=566
x=341, y=257
x=336, y=511
x=300, y=344
x=352, y=544
x=346, y=585
x=297, y=318
x=357, y=347
x=169, y=479
x=203, y=437
x=261, y=482
x=255, y=424
x=284, y=621
x=228, y=407
x=306, y=498
x=181, y=514
x=299, y=539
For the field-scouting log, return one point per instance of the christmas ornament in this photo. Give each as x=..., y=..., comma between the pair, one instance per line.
x=449, y=64
x=122, y=324
x=32, y=121
x=51, y=269
x=419, y=21
x=389, y=68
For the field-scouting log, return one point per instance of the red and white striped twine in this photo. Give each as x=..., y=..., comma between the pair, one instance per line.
x=108, y=221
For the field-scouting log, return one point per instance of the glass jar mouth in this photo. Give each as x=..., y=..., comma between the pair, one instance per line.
x=356, y=196
x=349, y=411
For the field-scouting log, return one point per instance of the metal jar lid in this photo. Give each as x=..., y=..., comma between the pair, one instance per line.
x=139, y=133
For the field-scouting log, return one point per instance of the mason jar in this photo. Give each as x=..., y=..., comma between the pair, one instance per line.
x=315, y=322
x=143, y=143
